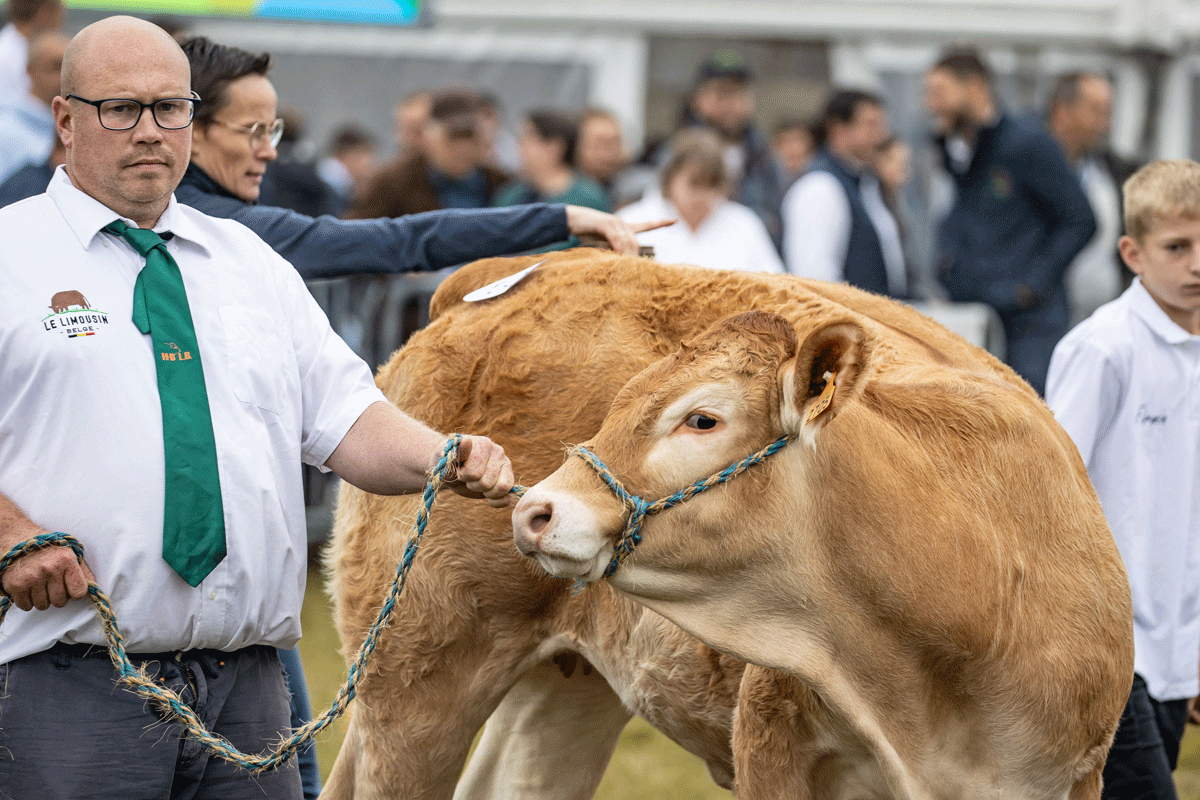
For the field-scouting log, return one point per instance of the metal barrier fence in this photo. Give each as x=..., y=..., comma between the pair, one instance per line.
x=375, y=315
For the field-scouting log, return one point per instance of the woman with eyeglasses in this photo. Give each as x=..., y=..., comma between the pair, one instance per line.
x=235, y=133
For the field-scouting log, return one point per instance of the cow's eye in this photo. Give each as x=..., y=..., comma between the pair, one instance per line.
x=701, y=422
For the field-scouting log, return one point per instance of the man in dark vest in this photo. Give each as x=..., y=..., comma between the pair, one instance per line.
x=836, y=226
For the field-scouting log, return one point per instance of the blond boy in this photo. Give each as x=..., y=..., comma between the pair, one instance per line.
x=1125, y=384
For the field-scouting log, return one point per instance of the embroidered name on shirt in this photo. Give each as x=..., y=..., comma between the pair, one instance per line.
x=1146, y=418
x=72, y=316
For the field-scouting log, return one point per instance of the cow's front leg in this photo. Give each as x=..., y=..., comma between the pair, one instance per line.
x=410, y=739
x=551, y=738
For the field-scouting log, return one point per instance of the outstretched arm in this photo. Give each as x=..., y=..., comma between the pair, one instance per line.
x=50, y=576
x=327, y=247
x=388, y=452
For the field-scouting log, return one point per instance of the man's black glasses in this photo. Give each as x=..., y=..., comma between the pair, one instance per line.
x=121, y=114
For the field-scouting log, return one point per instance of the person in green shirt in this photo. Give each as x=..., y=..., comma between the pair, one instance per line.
x=547, y=150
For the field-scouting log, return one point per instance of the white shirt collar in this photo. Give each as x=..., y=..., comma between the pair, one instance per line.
x=85, y=215
x=1151, y=312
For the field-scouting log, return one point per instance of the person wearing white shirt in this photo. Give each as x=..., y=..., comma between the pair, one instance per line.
x=836, y=226
x=28, y=18
x=712, y=230
x=1125, y=385
x=27, y=133
x=83, y=438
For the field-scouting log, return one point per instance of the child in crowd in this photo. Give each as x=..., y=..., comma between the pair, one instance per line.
x=1125, y=384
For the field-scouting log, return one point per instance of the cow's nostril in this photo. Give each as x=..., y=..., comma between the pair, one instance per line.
x=539, y=522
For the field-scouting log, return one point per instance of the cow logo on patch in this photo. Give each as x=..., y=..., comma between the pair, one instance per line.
x=71, y=315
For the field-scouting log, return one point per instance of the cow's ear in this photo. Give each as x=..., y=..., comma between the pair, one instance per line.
x=826, y=373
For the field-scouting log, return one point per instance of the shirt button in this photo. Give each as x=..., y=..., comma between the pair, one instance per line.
x=212, y=595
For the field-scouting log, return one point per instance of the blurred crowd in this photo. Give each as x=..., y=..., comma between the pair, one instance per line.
x=1031, y=231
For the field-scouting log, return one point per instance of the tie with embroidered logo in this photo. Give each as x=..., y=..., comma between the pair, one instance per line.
x=193, y=516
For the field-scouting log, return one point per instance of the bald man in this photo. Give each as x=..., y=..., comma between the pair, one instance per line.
x=166, y=436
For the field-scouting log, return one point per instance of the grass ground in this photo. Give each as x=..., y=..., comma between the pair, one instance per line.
x=646, y=765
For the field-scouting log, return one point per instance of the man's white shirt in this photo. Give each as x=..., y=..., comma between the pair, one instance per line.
x=1125, y=384
x=27, y=134
x=81, y=447
x=816, y=229
x=1094, y=276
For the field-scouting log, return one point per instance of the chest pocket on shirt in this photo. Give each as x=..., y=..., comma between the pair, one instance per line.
x=256, y=358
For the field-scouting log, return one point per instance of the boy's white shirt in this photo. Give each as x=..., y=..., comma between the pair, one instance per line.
x=1125, y=384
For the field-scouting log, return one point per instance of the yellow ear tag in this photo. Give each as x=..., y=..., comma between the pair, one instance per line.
x=824, y=400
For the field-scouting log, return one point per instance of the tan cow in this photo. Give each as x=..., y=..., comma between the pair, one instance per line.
x=924, y=579
x=536, y=368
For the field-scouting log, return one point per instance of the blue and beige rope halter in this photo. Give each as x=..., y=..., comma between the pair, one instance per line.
x=640, y=508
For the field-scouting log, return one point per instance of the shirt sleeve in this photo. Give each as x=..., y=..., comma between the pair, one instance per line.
x=1084, y=389
x=816, y=227
x=761, y=255
x=328, y=247
x=336, y=385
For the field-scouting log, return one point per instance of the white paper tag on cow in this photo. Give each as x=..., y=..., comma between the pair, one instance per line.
x=501, y=286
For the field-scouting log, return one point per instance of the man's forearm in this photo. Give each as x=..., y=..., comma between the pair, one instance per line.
x=46, y=577
x=386, y=451
x=15, y=527
x=1056, y=257
x=1062, y=199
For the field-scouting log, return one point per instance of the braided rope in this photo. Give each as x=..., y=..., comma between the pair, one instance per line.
x=639, y=508
x=167, y=700
x=141, y=684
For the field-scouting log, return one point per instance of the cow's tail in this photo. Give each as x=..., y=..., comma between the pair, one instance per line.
x=340, y=785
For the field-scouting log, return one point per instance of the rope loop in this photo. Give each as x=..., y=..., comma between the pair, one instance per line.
x=38, y=542
x=640, y=508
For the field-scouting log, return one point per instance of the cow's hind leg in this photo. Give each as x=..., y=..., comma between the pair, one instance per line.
x=409, y=739
x=773, y=752
x=551, y=738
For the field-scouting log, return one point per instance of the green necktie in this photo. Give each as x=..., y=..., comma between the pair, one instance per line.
x=193, y=517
